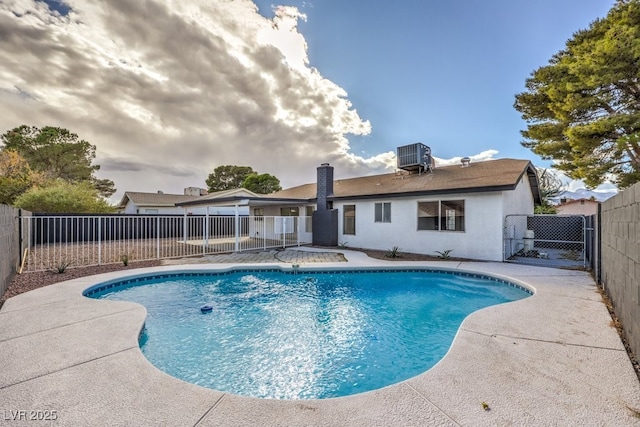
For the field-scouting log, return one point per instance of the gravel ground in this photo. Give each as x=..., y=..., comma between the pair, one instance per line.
x=28, y=281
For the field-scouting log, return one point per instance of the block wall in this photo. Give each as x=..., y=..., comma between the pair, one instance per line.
x=620, y=274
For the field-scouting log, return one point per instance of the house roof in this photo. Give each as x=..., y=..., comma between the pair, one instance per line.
x=490, y=175
x=153, y=199
x=235, y=192
x=162, y=199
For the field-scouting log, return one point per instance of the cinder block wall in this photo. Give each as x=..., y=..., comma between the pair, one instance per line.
x=620, y=275
x=9, y=245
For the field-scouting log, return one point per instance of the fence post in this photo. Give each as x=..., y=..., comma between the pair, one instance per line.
x=20, y=236
x=584, y=242
x=597, y=247
x=99, y=241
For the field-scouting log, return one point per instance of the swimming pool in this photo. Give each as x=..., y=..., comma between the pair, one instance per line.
x=303, y=335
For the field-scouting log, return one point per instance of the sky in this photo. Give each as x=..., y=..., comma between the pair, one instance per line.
x=168, y=90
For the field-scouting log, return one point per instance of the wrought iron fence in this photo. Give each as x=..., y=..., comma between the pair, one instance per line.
x=58, y=241
x=546, y=240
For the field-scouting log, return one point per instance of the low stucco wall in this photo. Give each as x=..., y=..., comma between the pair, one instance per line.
x=620, y=274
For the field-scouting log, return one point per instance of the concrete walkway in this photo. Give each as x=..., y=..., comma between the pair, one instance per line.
x=552, y=359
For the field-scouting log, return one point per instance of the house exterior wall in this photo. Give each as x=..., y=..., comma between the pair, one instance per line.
x=519, y=201
x=578, y=207
x=482, y=238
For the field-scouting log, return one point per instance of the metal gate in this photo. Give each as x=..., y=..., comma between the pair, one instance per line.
x=546, y=240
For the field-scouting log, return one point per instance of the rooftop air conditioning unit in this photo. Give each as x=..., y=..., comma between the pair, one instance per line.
x=414, y=157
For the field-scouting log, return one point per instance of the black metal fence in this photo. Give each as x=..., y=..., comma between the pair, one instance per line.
x=82, y=228
x=52, y=242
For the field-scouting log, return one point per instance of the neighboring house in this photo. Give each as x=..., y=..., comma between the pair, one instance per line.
x=458, y=208
x=160, y=203
x=577, y=207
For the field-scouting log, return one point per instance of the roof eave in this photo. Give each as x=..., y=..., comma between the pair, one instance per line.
x=233, y=200
x=439, y=192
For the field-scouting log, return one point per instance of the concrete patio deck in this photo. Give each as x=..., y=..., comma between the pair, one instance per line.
x=550, y=359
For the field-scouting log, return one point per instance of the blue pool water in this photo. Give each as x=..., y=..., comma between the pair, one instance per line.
x=279, y=335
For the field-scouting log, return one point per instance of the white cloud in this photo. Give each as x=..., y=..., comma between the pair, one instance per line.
x=169, y=90
x=480, y=157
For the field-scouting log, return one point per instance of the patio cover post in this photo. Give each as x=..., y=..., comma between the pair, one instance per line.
x=205, y=241
x=158, y=237
x=184, y=228
x=237, y=216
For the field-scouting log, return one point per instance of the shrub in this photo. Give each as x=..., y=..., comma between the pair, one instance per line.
x=444, y=254
x=394, y=252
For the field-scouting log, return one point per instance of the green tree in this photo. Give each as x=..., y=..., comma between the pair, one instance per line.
x=64, y=197
x=57, y=153
x=16, y=176
x=262, y=184
x=583, y=109
x=228, y=177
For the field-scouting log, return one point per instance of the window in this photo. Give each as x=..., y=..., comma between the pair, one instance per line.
x=309, y=223
x=349, y=219
x=290, y=211
x=151, y=211
x=383, y=212
x=258, y=213
x=428, y=215
x=444, y=215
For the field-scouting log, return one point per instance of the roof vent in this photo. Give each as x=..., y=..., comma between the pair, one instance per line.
x=465, y=162
x=160, y=192
x=414, y=157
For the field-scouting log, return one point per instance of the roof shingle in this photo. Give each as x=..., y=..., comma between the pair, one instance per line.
x=491, y=175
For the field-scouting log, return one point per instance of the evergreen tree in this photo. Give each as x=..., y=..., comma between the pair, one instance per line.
x=583, y=108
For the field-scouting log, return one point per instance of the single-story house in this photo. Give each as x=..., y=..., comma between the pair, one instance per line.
x=461, y=208
x=160, y=203
x=577, y=207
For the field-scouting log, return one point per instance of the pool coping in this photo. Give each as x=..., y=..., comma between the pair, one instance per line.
x=550, y=357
